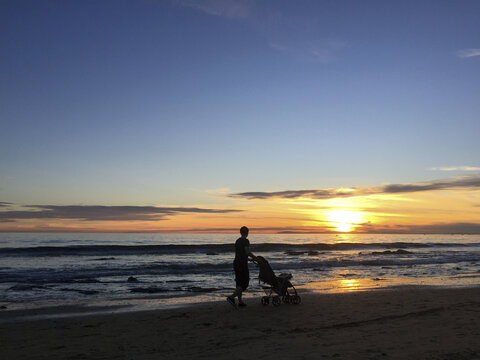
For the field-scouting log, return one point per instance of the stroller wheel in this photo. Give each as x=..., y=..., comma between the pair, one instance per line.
x=286, y=299
x=296, y=299
x=265, y=300
x=276, y=301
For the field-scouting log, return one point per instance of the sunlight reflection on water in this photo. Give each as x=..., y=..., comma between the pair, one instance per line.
x=359, y=284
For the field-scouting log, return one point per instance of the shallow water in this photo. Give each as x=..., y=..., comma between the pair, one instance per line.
x=73, y=267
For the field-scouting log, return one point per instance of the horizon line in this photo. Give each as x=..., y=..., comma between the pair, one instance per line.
x=284, y=232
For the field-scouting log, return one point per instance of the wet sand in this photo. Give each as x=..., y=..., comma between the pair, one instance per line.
x=402, y=323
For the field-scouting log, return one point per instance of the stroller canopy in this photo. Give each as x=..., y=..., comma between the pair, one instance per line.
x=266, y=273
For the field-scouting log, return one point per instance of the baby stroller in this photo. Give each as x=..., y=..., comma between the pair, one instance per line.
x=279, y=285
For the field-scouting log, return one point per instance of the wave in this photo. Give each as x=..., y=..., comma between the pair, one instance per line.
x=113, y=274
x=155, y=289
x=208, y=249
x=92, y=275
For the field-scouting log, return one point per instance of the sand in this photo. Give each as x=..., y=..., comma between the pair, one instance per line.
x=402, y=323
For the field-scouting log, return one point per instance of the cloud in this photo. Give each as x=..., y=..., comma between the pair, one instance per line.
x=285, y=33
x=455, y=168
x=468, y=53
x=256, y=230
x=236, y=9
x=220, y=192
x=456, y=182
x=442, y=228
x=292, y=194
x=472, y=181
x=326, y=53
x=102, y=213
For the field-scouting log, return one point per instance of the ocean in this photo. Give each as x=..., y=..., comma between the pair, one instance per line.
x=53, y=267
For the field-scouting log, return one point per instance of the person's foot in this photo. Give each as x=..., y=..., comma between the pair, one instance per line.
x=241, y=304
x=231, y=301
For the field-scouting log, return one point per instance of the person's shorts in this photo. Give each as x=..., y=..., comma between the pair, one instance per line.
x=242, y=275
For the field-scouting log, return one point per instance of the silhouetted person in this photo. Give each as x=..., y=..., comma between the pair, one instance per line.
x=240, y=265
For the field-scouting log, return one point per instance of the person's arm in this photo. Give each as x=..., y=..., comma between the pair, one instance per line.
x=249, y=253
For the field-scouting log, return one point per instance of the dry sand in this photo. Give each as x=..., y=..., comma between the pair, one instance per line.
x=405, y=323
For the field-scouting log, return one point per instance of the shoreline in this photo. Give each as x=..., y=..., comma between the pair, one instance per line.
x=407, y=322
x=29, y=311
x=16, y=311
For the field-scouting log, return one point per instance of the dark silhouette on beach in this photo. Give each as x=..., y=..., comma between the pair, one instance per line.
x=240, y=266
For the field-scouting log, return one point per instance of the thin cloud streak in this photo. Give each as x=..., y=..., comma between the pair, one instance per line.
x=103, y=213
x=271, y=25
x=472, y=181
x=443, y=228
x=236, y=9
x=292, y=194
x=468, y=53
x=440, y=228
x=455, y=168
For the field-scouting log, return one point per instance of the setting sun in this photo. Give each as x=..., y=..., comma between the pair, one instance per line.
x=344, y=220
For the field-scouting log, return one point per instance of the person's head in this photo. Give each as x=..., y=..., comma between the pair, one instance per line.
x=244, y=231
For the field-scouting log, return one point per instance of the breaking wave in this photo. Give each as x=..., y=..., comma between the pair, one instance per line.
x=112, y=250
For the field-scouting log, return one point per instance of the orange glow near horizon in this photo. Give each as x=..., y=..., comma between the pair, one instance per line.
x=422, y=211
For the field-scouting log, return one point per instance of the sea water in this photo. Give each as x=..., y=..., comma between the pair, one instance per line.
x=65, y=266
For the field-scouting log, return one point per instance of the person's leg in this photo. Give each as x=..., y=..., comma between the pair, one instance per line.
x=237, y=293
x=240, y=292
x=241, y=282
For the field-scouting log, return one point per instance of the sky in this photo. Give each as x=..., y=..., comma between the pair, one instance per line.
x=203, y=116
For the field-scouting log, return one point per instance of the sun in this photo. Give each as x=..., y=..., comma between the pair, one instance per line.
x=345, y=220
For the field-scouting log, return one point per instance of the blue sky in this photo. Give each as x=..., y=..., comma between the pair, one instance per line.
x=160, y=102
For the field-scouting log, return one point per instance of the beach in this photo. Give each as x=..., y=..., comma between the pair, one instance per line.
x=393, y=323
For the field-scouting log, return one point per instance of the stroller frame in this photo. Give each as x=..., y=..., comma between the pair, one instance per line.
x=279, y=289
